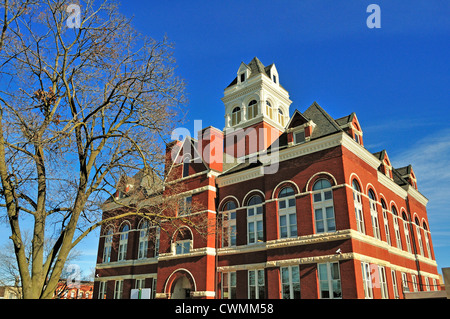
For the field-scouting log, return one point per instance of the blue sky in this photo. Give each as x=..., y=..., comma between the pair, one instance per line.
x=396, y=78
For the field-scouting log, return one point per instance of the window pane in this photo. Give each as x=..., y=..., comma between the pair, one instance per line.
x=337, y=293
x=329, y=212
x=323, y=272
x=325, y=293
x=292, y=202
x=317, y=197
x=320, y=226
x=251, y=277
x=331, y=225
x=282, y=204
x=261, y=277
x=319, y=215
x=328, y=195
x=283, y=221
x=295, y=274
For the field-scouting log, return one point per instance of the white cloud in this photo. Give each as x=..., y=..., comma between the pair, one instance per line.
x=430, y=159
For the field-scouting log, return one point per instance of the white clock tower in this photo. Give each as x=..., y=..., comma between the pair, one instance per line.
x=255, y=99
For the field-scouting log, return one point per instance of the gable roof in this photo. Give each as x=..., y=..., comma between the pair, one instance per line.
x=256, y=67
x=325, y=124
x=297, y=119
x=345, y=119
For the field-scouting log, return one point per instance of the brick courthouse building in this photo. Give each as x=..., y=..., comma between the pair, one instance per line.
x=297, y=206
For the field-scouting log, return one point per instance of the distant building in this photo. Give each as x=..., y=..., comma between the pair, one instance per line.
x=10, y=292
x=77, y=290
x=296, y=206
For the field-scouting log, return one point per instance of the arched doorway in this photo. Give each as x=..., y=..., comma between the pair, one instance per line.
x=181, y=289
x=180, y=285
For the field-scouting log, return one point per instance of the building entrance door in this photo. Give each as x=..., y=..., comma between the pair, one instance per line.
x=182, y=289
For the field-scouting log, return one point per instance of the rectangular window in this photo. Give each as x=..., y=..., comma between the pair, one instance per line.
x=102, y=290
x=427, y=284
x=185, y=206
x=407, y=239
x=383, y=282
x=107, y=253
x=358, y=212
x=299, y=137
x=118, y=289
x=290, y=282
x=394, y=283
x=386, y=227
x=157, y=237
x=404, y=282
x=287, y=217
x=242, y=77
x=252, y=111
x=255, y=228
x=140, y=283
x=414, y=282
x=256, y=287
x=153, y=292
x=397, y=232
x=419, y=239
x=186, y=168
x=367, y=280
x=229, y=285
x=329, y=281
x=374, y=215
x=182, y=247
x=229, y=229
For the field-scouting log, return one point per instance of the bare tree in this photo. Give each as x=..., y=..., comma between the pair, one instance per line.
x=80, y=108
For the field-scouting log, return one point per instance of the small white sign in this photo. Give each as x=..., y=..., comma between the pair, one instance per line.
x=143, y=293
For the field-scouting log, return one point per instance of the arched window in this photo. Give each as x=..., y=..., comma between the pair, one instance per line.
x=419, y=236
x=236, y=116
x=280, y=117
x=427, y=240
x=183, y=241
x=374, y=214
x=143, y=239
x=323, y=207
x=287, y=214
x=186, y=161
x=269, y=110
x=386, y=222
x=123, y=243
x=396, y=227
x=229, y=224
x=156, y=242
x=107, y=246
x=252, y=109
x=358, y=207
x=255, y=227
x=406, y=231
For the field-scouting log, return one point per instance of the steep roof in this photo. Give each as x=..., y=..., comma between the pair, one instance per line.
x=297, y=119
x=325, y=124
x=345, y=119
x=256, y=67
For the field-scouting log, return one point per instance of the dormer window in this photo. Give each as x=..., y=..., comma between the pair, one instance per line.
x=299, y=137
x=242, y=77
x=275, y=79
x=236, y=116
